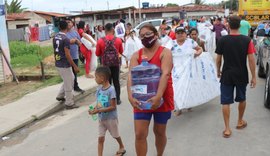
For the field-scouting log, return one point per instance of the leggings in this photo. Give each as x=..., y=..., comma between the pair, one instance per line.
x=87, y=55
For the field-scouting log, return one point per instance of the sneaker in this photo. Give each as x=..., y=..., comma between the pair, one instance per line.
x=72, y=106
x=79, y=90
x=60, y=99
x=119, y=102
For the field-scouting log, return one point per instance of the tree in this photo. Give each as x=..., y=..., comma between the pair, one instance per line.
x=172, y=5
x=230, y=4
x=199, y=2
x=14, y=6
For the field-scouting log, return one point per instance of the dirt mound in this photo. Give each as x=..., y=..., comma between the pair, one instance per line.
x=49, y=61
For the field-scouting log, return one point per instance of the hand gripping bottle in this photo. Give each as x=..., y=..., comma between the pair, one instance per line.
x=145, y=81
x=94, y=116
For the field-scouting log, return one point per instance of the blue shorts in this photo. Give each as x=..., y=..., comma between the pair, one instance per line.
x=227, y=93
x=159, y=117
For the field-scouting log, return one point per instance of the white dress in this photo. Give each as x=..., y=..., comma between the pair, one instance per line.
x=131, y=46
x=194, y=79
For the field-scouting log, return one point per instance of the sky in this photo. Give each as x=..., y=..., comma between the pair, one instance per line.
x=65, y=6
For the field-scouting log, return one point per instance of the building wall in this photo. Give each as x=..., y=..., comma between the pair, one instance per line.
x=36, y=19
x=13, y=24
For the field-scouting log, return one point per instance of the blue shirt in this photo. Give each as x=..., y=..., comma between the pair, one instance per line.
x=193, y=24
x=104, y=96
x=74, y=48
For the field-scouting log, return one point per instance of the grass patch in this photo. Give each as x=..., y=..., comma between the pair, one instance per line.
x=28, y=55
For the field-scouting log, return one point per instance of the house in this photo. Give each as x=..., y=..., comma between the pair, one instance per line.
x=17, y=20
x=131, y=14
x=21, y=20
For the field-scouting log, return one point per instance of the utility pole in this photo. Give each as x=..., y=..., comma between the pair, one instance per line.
x=140, y=14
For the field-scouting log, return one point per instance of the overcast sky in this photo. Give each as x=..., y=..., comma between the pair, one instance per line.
x=77, y=5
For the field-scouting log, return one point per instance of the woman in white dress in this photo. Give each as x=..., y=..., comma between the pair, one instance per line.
x=132, y=45
x=182, y=45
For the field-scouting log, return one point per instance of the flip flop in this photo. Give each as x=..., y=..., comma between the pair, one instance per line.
x=121, y=153
x=244, y=125
x=227, y=135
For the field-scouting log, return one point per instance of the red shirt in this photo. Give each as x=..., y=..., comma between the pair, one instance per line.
x=101, y=45
x=168, y=104
x=172, y=35
x=82, y=47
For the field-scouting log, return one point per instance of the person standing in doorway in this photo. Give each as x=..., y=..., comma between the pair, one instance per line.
x=235, y=49
x=109, y=48
x=74, y=50
x=63, y=63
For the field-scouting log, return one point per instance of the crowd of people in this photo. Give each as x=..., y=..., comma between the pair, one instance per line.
x=164, y=47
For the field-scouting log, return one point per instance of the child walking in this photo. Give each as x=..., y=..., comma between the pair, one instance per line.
x=106, y=110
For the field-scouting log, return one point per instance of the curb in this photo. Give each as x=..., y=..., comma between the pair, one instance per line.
x=51, y=109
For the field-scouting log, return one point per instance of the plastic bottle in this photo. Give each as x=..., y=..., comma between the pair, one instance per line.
x=94, y=116
x=145, y=81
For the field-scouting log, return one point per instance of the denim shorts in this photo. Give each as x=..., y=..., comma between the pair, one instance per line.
x=227, y=93
x=159, y=117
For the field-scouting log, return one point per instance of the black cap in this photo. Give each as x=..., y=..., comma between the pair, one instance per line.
x=180, y=29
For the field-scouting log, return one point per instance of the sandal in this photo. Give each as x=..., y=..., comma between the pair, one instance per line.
x=177, y=112
x=244, y=125
x=227, y=135
x=121, y=152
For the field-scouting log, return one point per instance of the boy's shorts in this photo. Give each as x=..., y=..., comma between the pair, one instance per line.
x=227, y=93
x=159, y=117
x=111, y=125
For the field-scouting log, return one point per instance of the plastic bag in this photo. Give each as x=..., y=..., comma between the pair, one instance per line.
x=120, y=30
x=94, y=62
x=195, y=80
x=224, y=32
x=87, y=43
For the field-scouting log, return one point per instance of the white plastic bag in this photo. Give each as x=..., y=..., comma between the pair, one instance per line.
x=87, y=43
x=195, y=80
x=224, y=32
x=93, y=63
x=120, y=30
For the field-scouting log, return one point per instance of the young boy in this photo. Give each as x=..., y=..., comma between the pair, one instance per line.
x=106, y=109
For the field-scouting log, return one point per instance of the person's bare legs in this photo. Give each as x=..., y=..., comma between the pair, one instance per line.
x=100, y=145
x=141, y=133
x=161, y=138
x=126, y=64
x=121, y=145
x=226, y=117
x=241, y=111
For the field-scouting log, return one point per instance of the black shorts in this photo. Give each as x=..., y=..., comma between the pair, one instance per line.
x=227, y=93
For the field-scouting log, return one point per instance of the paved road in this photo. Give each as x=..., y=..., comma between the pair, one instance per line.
x=197, y=133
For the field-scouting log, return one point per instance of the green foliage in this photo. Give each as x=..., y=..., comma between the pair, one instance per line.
x=172, y=5
x=199, y=2
x=14, y=6
x=27, y=55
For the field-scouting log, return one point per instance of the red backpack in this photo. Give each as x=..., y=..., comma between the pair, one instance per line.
x=110, y=57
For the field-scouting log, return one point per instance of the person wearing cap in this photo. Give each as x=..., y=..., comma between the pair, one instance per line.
x=182, y=44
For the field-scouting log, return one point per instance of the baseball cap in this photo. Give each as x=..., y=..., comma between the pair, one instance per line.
x=180, y=29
